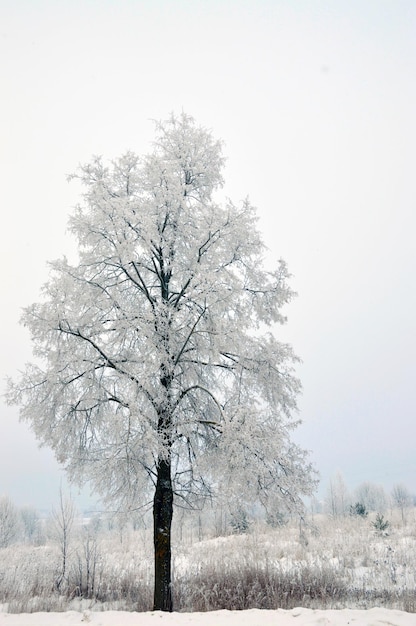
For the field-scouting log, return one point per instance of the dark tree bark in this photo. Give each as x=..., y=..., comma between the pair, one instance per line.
x=162, y=522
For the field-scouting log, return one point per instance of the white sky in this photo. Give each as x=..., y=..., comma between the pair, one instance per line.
x=316, y=102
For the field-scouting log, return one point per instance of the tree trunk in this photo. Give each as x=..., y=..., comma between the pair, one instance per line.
x=162, y=522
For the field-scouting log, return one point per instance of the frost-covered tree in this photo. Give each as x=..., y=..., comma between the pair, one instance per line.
x=30, y=520
x=401, y=498
x=372, y=496
x=62, y=522
x=337, y=500
x=154, y=370
x=10, y=523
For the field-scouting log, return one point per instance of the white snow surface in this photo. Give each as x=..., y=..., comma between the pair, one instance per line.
x=252, y=617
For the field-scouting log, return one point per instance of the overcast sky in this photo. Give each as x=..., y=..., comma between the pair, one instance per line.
x=315, y=101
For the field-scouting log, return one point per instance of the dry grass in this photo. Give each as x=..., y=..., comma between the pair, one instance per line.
x=330, y=564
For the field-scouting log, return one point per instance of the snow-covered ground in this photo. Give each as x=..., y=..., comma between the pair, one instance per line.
x=253, y=617
x=337, y=569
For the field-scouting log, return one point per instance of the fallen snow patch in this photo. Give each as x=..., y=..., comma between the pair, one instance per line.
x=252, y=617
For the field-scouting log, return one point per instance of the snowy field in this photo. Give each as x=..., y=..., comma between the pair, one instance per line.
x=340, y=571
x=253, y=617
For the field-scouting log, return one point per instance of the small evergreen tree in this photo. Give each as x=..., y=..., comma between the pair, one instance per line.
x=358, y=509
x=380, y=524
x=239, y=521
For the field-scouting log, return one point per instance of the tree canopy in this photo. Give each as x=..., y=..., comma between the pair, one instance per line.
x=156, y=354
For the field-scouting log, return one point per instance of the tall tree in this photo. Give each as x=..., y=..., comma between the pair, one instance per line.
x=337, y=500
x=401, y=498
x=9, y=522
x=372, y=496
x=153, y=364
